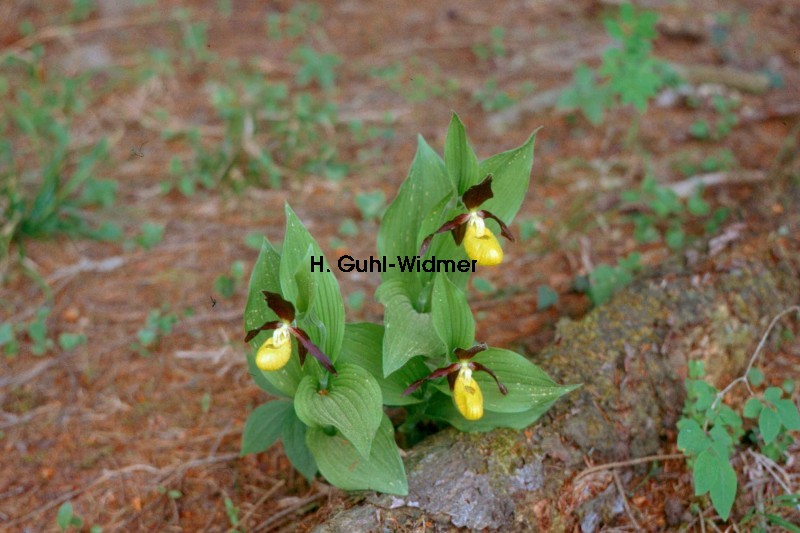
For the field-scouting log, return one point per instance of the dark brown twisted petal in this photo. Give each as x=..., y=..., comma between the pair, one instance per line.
x=477, y=194
x=439, y=372
x=306, y=344
x=458, y=233
x=450, y=225
x=283, y=308
x=462, y=354
x=503, y=228
x=480, y=368
x=273, y=324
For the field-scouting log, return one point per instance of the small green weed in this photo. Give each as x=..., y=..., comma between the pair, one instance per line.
x=416, y=81
x=371, y=205
x=157, y=325
x=690, y=164
x=629, y=74
x=233, y=515
x=710, y=431
x=226, y=284
x=666, y=215
x=495, y=48
x=722, y=127
x=47, y=185
x=605, y=279
x=67, y=518
x=491, y=97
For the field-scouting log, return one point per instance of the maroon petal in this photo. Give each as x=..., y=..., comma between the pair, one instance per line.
x=462, y=354
x=274, y=324
x=480, y=368
x=312, y=349
x=477, y=194
x=301, y=353
x=283, y=308
x=503, y=228
x=414, y=386
x=439, y=372
x=458, y=234
x=450, y=225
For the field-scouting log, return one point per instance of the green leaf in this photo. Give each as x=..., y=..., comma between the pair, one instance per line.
x=459, y=157
x=6, y=334
x=151, y=234
x=362, y=346
x=343, y=466
x=370, y=204
x=70, y=341
x=675, y=238
x=752, y=408
x=691, y=438
x=788, y=413
x=696, y=205
x=773, y=394
x=755, y=377
x=483, y=285
x=782, y=522
x=713, y=473
x=451, y=315
x=64, y=516
x=426, y=185
x=295, y=447
x=265, y=277
x=586, y=95
x=769, y=422
x=264, y=426
x=528, y=386
x=324, y=318
x=511, y=173
x=352, y=403
x=409, y=333
x=545, y=297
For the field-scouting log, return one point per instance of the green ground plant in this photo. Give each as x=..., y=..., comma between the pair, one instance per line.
x=329, y=407
x=662, y=214
x=722, y=126
x=629, y=74
x=158, y=324
x=226, y=284
x=711, y=431
x=48, y=185
x=495, y=48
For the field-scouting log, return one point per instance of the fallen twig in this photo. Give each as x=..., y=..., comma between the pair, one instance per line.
x=630, y=462
x=625, y=504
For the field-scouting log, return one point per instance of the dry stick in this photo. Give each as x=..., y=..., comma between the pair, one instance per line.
x=774, y=469
x=49, y=33
x=743, y=378
x=106, y=476
x=630, y=462
x=293, y=509
x=628, y=510
x=261, y=500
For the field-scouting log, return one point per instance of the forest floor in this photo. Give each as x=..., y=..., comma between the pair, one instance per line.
x=139, y=426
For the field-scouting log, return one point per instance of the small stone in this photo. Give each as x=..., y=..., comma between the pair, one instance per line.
x=673, y=510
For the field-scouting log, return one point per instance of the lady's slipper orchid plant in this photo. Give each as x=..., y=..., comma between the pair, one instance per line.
x=276, y=350
x=467, y=394
x=479, y=242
